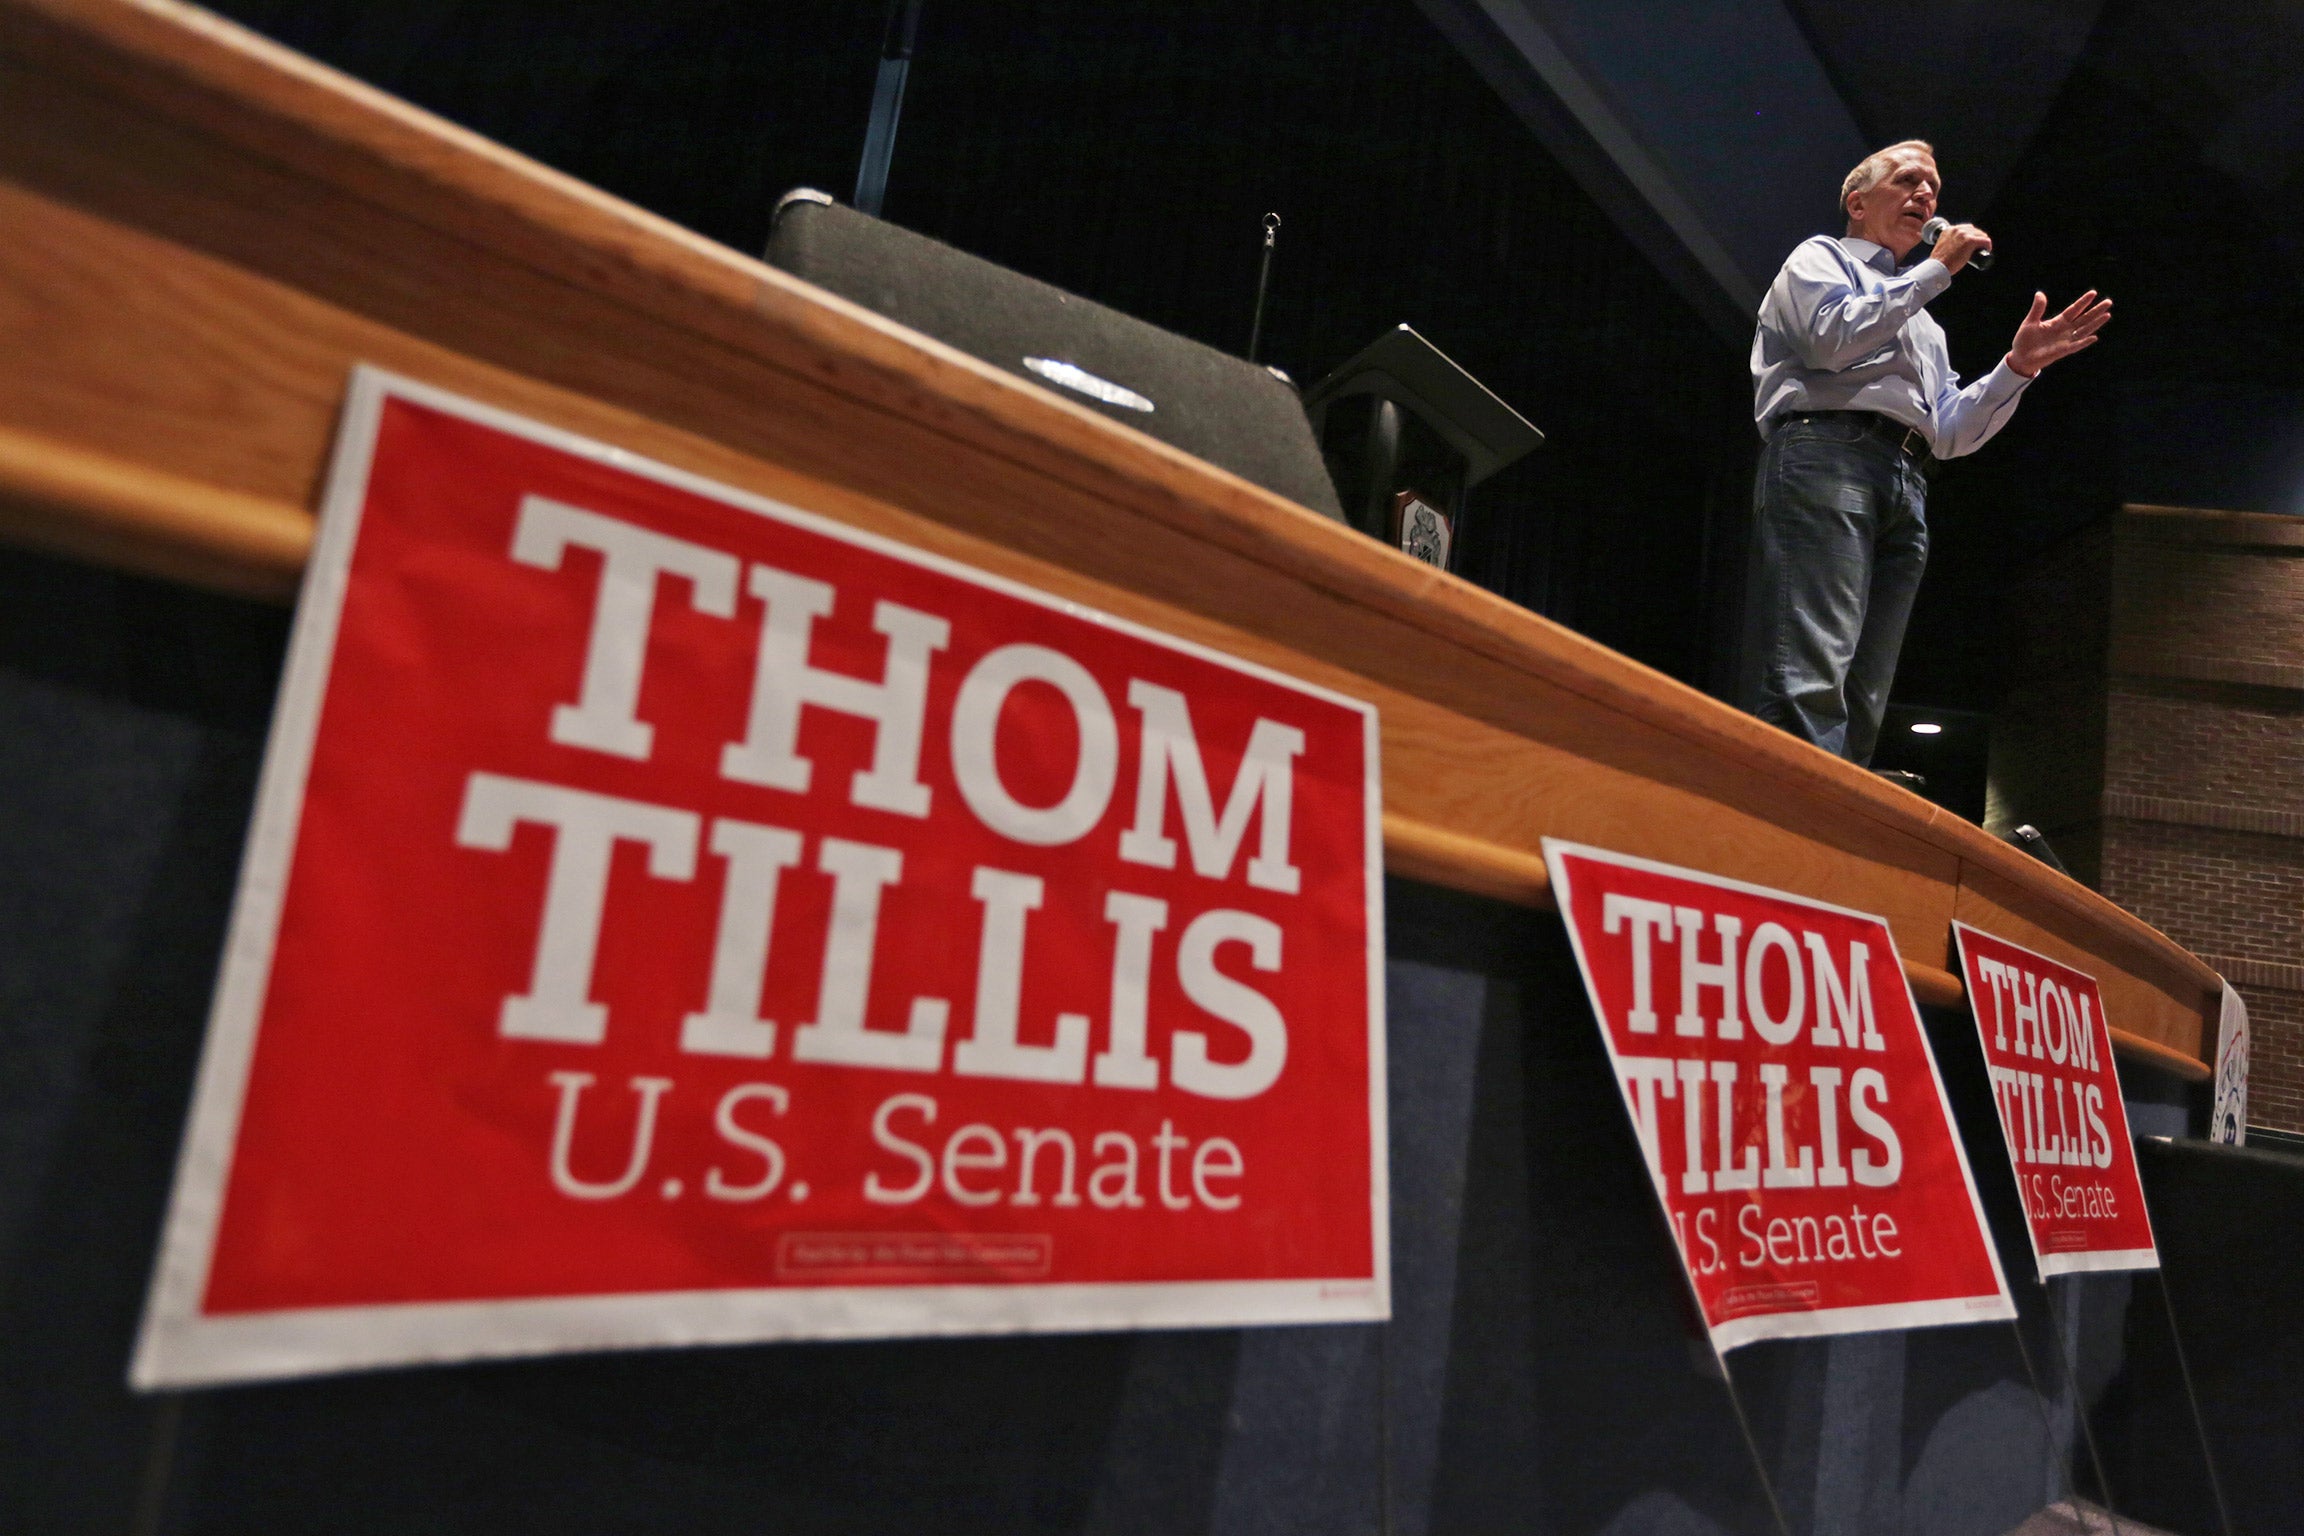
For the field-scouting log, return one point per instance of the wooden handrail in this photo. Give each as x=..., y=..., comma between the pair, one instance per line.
x=1424, y=852
x=96, y=506
x=698, y=354
x=99, y=507
x=1437, y=856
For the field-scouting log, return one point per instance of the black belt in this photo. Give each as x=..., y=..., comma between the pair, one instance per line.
x=1911, y=442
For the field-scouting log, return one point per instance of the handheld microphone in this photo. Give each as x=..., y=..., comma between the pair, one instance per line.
x=1933, y=231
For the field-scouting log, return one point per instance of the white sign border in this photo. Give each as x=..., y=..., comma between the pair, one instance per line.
x=178, y=1347
x=1821, y=1321
x=2095, y=1261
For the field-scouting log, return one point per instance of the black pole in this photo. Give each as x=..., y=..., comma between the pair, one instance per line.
x=1263, y=281
x=1751, y=1444
x=896, y=40
x=2057, y=1326
x=2199, y=1425
x=2040, y=1399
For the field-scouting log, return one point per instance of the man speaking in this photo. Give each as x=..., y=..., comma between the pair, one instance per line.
x=1854, y=393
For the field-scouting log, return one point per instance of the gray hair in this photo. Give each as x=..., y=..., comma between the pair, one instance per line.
x=1875, y=165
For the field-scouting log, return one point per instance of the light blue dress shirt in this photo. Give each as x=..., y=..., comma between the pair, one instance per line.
x=1843, y=330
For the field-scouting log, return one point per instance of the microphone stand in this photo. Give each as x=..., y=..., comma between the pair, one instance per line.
x=887, y=104
x=1263, y=281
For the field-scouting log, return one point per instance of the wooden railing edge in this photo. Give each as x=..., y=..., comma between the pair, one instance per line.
x=1440, y=857
x=98, y=507
x=95, y=506
x=1979, y=849
x=68, y=498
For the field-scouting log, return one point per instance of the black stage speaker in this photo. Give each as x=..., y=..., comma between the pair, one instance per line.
x=1221, y=408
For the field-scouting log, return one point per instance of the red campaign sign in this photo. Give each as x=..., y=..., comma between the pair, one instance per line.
x=2048, y=1047
x=1784, y=1095
x=671, y=917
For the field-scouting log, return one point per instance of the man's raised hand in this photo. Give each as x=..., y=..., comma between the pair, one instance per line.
x=2040, y=342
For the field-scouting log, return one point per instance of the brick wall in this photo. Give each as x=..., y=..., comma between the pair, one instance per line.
x=2157, y=735
x=2184, y=606
x=2221, y=894
x=2242, y=749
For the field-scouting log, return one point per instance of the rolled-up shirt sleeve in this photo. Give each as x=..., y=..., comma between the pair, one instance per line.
x=1966, y=419
x=1830, y=320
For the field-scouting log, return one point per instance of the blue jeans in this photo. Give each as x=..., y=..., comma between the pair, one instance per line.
x=1839, y=539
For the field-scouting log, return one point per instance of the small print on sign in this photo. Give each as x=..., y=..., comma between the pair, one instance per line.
x=1784, y=1096
x=2048, y=1047
x=674, y=917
